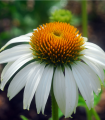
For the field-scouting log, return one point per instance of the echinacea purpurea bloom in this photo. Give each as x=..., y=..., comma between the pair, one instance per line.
x=56, y=54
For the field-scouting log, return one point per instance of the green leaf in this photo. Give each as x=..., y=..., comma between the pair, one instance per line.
x=60, y=114
x=50, y=118
x=81, y=101
x=23, y=117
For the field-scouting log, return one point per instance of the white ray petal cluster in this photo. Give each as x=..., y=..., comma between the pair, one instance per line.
x=37, y=78
x=22, y=38
x=59, y=88
x=43, y=89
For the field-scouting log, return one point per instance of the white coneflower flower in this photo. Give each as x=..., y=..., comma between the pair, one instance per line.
x=54, y=52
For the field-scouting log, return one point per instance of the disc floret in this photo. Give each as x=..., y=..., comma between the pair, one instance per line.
x=56, y=43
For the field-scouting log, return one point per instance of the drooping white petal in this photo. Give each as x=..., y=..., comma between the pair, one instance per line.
x=14, y=67
x=19, y=80
x=100, y=67
x=14, y=53
x=32, y=84
x=71, y=92
x=94, y=55
x=76, y=103
x=21, y=38
x=47, y=91
x=91, y=76
x=5, y=69
x=59, y=89
x=96, y=60
x=28, y=34
x=34, y=29
x=43, y=89
x=30, y=80
x=83, y=84
x=95, y=67
x=93, y=46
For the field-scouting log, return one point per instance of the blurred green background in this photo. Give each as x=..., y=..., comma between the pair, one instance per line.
x=21, y=17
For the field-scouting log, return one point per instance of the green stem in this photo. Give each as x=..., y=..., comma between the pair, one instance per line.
x=54, y=106
x=84, y=17
x=90, y=113
x=89, y=116
x=95, y=114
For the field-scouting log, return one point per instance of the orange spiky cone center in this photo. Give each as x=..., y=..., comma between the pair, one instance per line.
x=56, y=43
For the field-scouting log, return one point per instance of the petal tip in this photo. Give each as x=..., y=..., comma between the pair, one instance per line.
x=24, y=107
x=9, y=98
x=2, y=48
x=2, y=88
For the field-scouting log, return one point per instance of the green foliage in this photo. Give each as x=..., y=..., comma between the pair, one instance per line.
x=23, y=117
x=97, y=98
x=90, y=113
x=60, y=114
x=81, y=101
x=76, y=20
x=21, y=17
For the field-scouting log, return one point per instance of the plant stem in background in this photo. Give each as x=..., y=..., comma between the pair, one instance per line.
x=88, y=113
x=91, y=113
x=95, y=114
x=54, y=106
x=84, y=17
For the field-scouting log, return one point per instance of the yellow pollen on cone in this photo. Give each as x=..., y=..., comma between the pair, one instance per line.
x=57, y=43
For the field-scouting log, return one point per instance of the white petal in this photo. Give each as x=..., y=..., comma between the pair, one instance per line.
x=34, y=29
x=30, y=80
x=95, y=67
x=14, y=53
x=100, y=67
x=91, y=76
x=84, y=85
x=76, y=100
x=47, y=90
x=5, y=69
x=93, y=46
x=71, y=92
x=28, y=34
x=59, y=88
x=101, y=62
x=19, y=80
x=22, y=38
x=43, y=89
x=95, y=55
x=31, y=85
x=14, y=67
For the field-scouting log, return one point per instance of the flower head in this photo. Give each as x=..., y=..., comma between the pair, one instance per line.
x=61, y=15
x=56, y=43
x=56, y=54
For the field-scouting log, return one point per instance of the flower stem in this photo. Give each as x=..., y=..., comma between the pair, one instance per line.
x=84, y=17
x=89, y=116
x=54, y=106
x=90, y=113
x=95, y=114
